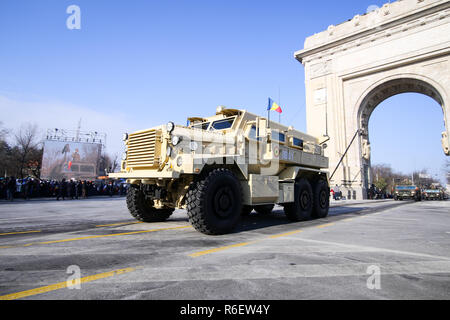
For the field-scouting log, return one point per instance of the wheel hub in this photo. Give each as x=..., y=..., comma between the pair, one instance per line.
x=223, y=202
x=304, y=200
x=323, y=199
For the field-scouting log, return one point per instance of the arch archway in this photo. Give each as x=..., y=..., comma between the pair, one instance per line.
x=380, y=92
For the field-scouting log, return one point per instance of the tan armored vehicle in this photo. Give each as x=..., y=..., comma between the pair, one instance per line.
x=407, y=192
x=224, y=166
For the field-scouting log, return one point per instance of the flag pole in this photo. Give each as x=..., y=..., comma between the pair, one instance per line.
x=279, y=101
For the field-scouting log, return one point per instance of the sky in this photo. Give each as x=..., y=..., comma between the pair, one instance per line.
x=137, y=64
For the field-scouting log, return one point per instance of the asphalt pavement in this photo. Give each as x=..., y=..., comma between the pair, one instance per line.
x=93, y=249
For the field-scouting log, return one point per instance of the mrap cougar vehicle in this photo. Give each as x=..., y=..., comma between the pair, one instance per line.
x=407, y=192
x=222, y=167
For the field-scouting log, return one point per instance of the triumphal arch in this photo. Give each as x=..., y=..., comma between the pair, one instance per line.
x=350, y=68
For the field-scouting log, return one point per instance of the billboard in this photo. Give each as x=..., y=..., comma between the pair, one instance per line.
x=78, y=160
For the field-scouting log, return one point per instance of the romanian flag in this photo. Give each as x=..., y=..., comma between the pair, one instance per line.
x=273, y=106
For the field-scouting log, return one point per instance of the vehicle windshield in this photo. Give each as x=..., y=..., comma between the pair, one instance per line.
x=405, y=187
x=222, y=124
x=202, y=126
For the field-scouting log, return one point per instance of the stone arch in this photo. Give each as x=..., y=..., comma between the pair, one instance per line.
x=394, y=85
x=383, y=90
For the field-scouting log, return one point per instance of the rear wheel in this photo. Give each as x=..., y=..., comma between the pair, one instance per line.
x=214, y=202
x=301, y=208
x=142, y=209
x=264, y=209
x=321, y=199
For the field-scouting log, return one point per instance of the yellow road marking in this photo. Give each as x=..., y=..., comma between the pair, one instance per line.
x=325, y=225
x=22, y=232
x=201, y=253
x=118, y=224
x=285, y=234
x=98, y=236
x=62, y=285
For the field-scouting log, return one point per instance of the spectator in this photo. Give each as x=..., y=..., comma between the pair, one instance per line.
x=62, y=190
x=11, y=188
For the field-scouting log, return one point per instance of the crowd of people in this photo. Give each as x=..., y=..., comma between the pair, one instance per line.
x=11, y=188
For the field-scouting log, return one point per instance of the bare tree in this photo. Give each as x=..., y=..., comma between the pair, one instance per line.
x=446, y=169
x=5, y=152
x=27, y=147
x=3, y=132
x=385, y=178
x=108, y=163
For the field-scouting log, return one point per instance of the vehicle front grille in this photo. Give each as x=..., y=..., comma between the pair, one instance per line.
x=144, y=149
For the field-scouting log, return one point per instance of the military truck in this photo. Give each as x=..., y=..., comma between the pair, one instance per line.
x=432, y=194
x=221, y=167
x=407, y=192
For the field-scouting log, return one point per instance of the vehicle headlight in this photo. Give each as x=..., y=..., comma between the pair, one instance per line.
x=176, y=140
x=170, y=126
x=193, y=146
x=179, y=161
x=169, y=151
x=124, y=156
x=125, y=136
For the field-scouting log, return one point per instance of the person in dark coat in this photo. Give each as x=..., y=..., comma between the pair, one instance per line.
x=71, y=189
x=77, y=189
x=110, y=189
x=11, y=188
x=62, y=189
x=84, y=189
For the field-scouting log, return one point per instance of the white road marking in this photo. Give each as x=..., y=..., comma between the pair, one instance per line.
x=376, y=249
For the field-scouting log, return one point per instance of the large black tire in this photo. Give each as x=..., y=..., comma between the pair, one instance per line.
x=142, y=209
x=321, y=199
x=214, y=202
x=301, y=208
x=264, y=209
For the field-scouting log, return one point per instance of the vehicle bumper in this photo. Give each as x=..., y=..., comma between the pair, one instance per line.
x=145, y=174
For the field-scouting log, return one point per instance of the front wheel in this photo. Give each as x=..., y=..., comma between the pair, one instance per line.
x=214, y=202
x=142, y=209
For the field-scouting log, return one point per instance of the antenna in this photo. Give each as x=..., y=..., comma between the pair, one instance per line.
x=78, y=130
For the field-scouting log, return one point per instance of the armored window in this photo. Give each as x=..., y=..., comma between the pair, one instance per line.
x=203, y=126
x=276, y=135
x=297, y=142
x=405, y=187
x=253, y=133
x=222, y=124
